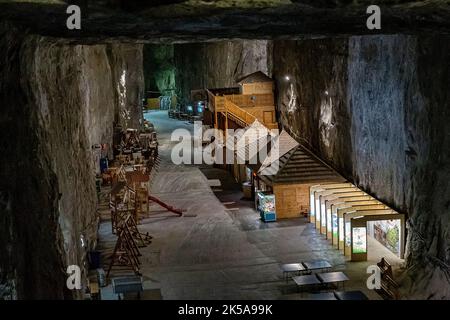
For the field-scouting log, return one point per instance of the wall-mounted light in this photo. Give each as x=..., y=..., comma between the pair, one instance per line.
x=287, y=78
x=326, y=92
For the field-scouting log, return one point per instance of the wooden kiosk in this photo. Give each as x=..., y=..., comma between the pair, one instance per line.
x=291, y=173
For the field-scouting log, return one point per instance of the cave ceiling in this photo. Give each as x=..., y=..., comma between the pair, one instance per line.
x=204, y=20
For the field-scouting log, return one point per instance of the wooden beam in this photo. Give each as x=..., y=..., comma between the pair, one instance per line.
x=215, y=119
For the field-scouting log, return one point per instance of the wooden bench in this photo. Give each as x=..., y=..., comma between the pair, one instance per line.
x=389, y=288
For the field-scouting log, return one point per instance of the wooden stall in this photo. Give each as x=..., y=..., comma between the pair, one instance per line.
x=291, y=170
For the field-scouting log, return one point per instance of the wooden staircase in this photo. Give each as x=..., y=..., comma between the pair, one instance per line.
x=237, y=114
x=234, y=107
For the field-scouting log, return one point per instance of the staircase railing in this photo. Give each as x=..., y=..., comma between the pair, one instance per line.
x=238, y=112
x=216, y=103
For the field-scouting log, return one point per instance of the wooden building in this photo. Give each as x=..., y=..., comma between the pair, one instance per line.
x=289, y=171
x=241, y=106
x=256, y=83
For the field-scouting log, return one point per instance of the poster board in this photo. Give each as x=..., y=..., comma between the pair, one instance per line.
x=363, y=221
x=362, y=211
x=387, y=233
x=358, y=243
x=348, y=207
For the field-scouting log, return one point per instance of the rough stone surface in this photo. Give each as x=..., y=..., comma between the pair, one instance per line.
x=219, y=64
x=128, y=82
x=57, y=102
x=377, y=109
x=220, y=239
x=198, y=20
x=159, y=68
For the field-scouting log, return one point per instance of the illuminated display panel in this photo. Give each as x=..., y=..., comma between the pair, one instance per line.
x=323, y=213
x=359, y=238
x=341, y=229
x=317, y=206
x=334, y=224
x=311, y=204
x=329, y=224
x=347, y=234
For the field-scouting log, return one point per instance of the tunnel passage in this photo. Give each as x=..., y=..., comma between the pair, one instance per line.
x=372, y=106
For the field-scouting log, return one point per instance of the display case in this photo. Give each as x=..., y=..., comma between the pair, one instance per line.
x=265, y=204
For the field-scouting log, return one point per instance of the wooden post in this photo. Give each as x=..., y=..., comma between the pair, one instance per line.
x=226, y=124
x=216, y=124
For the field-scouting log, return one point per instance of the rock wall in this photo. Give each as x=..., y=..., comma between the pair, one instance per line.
x=57, y=102
x=126, y=63
x=219, y=64
x=376, y=108
x=159, y=68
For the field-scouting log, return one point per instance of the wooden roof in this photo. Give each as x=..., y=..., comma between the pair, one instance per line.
x=255, y=138
x=257, y=76
x=299, y=166
x=252, y=133
x=283, y=144
x=253, y=160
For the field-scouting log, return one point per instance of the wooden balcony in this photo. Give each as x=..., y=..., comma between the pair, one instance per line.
x=245, y=109
x=251, y=100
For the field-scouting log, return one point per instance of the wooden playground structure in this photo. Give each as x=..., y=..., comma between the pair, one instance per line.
x=129, y=178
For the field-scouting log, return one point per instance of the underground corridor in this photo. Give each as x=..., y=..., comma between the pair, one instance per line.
x=224, y=150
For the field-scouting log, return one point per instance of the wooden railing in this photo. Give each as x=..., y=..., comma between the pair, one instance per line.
x=235, y=104
x=216, y=103
x=251, y=100
x=389, y=288
x=240, y=113
x=210, y=100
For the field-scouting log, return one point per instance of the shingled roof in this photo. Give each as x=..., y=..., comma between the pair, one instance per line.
x=257, y=76
x=298, y=166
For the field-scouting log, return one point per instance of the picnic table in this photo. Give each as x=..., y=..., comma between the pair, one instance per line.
x=333, y=277
x=289, y=268
x=322, y=296
x=317, y=265
x=306, y=280
x=350, y=295
x=304, y=267
x=320, y=279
